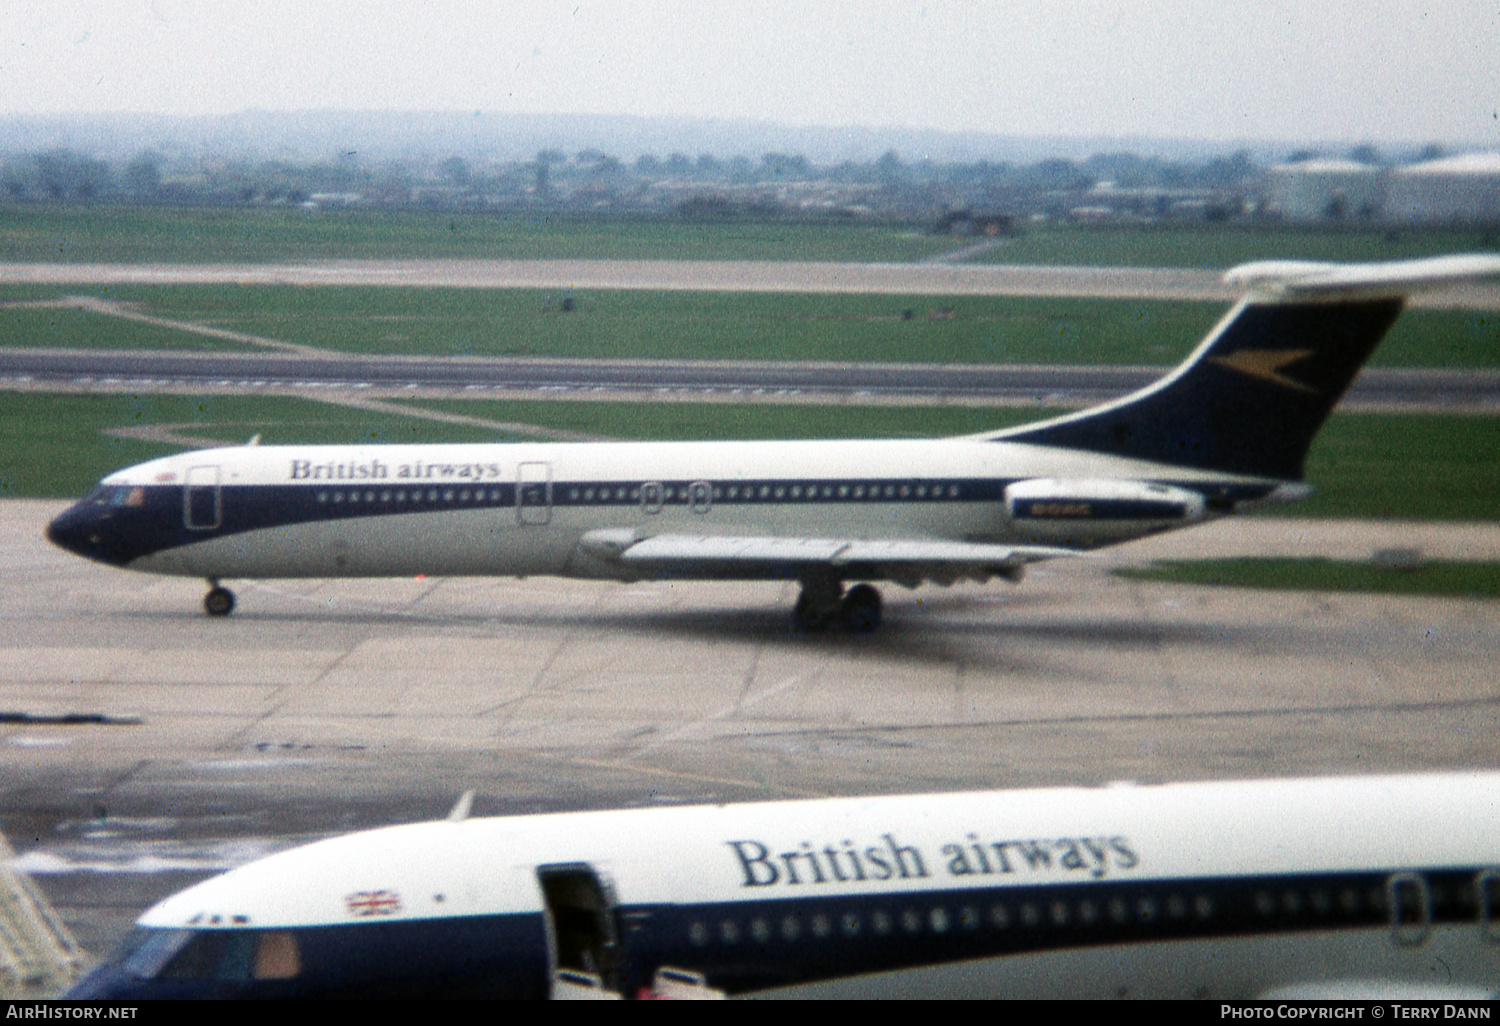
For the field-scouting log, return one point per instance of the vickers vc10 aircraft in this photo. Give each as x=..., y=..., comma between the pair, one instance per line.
x=1333, y=888
x=1227, y=429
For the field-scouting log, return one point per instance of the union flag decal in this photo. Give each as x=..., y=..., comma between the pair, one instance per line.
x=373, y=903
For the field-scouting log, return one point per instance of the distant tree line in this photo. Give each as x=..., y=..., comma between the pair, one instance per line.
x=704, y=187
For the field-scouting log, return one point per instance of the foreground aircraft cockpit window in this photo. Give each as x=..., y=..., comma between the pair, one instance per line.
x=152, y=954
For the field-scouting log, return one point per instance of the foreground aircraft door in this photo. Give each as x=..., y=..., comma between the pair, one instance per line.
x=583, y=932
x=534, y=493
x=202, y=508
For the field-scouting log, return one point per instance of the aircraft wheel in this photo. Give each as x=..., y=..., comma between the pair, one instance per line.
x=860, y=609
x=218, y=602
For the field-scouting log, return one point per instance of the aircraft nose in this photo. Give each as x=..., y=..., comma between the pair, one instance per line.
x=76, y=530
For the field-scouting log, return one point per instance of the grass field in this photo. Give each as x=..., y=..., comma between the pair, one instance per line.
x=110, y=234
x=106, y=233
x=691, y=325
x=1458, y=580
x=1440, y=468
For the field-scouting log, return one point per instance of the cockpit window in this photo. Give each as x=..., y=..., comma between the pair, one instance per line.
x=277, y=956
x=128, y=497
x=145, y=951
x=211, y=955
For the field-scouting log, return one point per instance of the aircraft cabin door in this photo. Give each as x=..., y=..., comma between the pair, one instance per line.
x=583, y=931
x=534, y=493
x=202, y=504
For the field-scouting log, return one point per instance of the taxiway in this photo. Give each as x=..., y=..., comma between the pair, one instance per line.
x=142, y=743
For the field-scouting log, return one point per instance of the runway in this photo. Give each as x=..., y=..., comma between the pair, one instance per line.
x=144, y=744
x=317, y=375
x=924, y=279
x=285, y=368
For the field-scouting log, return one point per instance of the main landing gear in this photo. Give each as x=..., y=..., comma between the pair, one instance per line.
x=219, y=601
x=824, y=602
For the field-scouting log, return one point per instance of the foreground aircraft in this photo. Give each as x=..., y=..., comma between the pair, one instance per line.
x=1336, y=887
x=1227, y=429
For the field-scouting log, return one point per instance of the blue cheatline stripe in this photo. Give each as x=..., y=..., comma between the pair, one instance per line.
x=792, y=936
x=162, y=517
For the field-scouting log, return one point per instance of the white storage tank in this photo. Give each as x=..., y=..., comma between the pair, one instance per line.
x=1463, y=189
x=1324, y=189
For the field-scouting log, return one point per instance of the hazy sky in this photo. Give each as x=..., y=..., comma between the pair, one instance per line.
x=1376, y=70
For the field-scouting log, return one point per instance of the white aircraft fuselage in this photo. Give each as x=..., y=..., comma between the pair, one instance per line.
x=1336, y=887
x=1231, y=426
x=567, y=509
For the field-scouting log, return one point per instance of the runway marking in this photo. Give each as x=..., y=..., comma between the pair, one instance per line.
x=500, y=426
x=127, y=312
x=738, y=706
x=170, y=434
x=684, y=775
x=1165, y=717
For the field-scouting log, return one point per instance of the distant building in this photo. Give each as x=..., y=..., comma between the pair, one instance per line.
x=1322, y=189
x=324, y=200
x=1462, y=189
x=967, y=222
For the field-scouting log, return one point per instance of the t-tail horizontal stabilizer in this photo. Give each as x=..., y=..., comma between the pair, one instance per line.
x=1252, y=396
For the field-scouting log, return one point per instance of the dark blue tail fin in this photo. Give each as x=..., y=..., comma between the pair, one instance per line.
x=1250, y=399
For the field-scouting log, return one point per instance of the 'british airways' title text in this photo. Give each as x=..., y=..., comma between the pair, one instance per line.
x=378, y=470
x=846, y=862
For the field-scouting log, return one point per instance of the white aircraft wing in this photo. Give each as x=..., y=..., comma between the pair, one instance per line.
x=1294, y=278
x=905, y=560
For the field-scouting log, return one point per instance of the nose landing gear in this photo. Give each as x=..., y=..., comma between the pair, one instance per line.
x=219, y=601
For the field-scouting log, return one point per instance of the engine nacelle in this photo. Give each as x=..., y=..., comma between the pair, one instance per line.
x=1095, y=511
